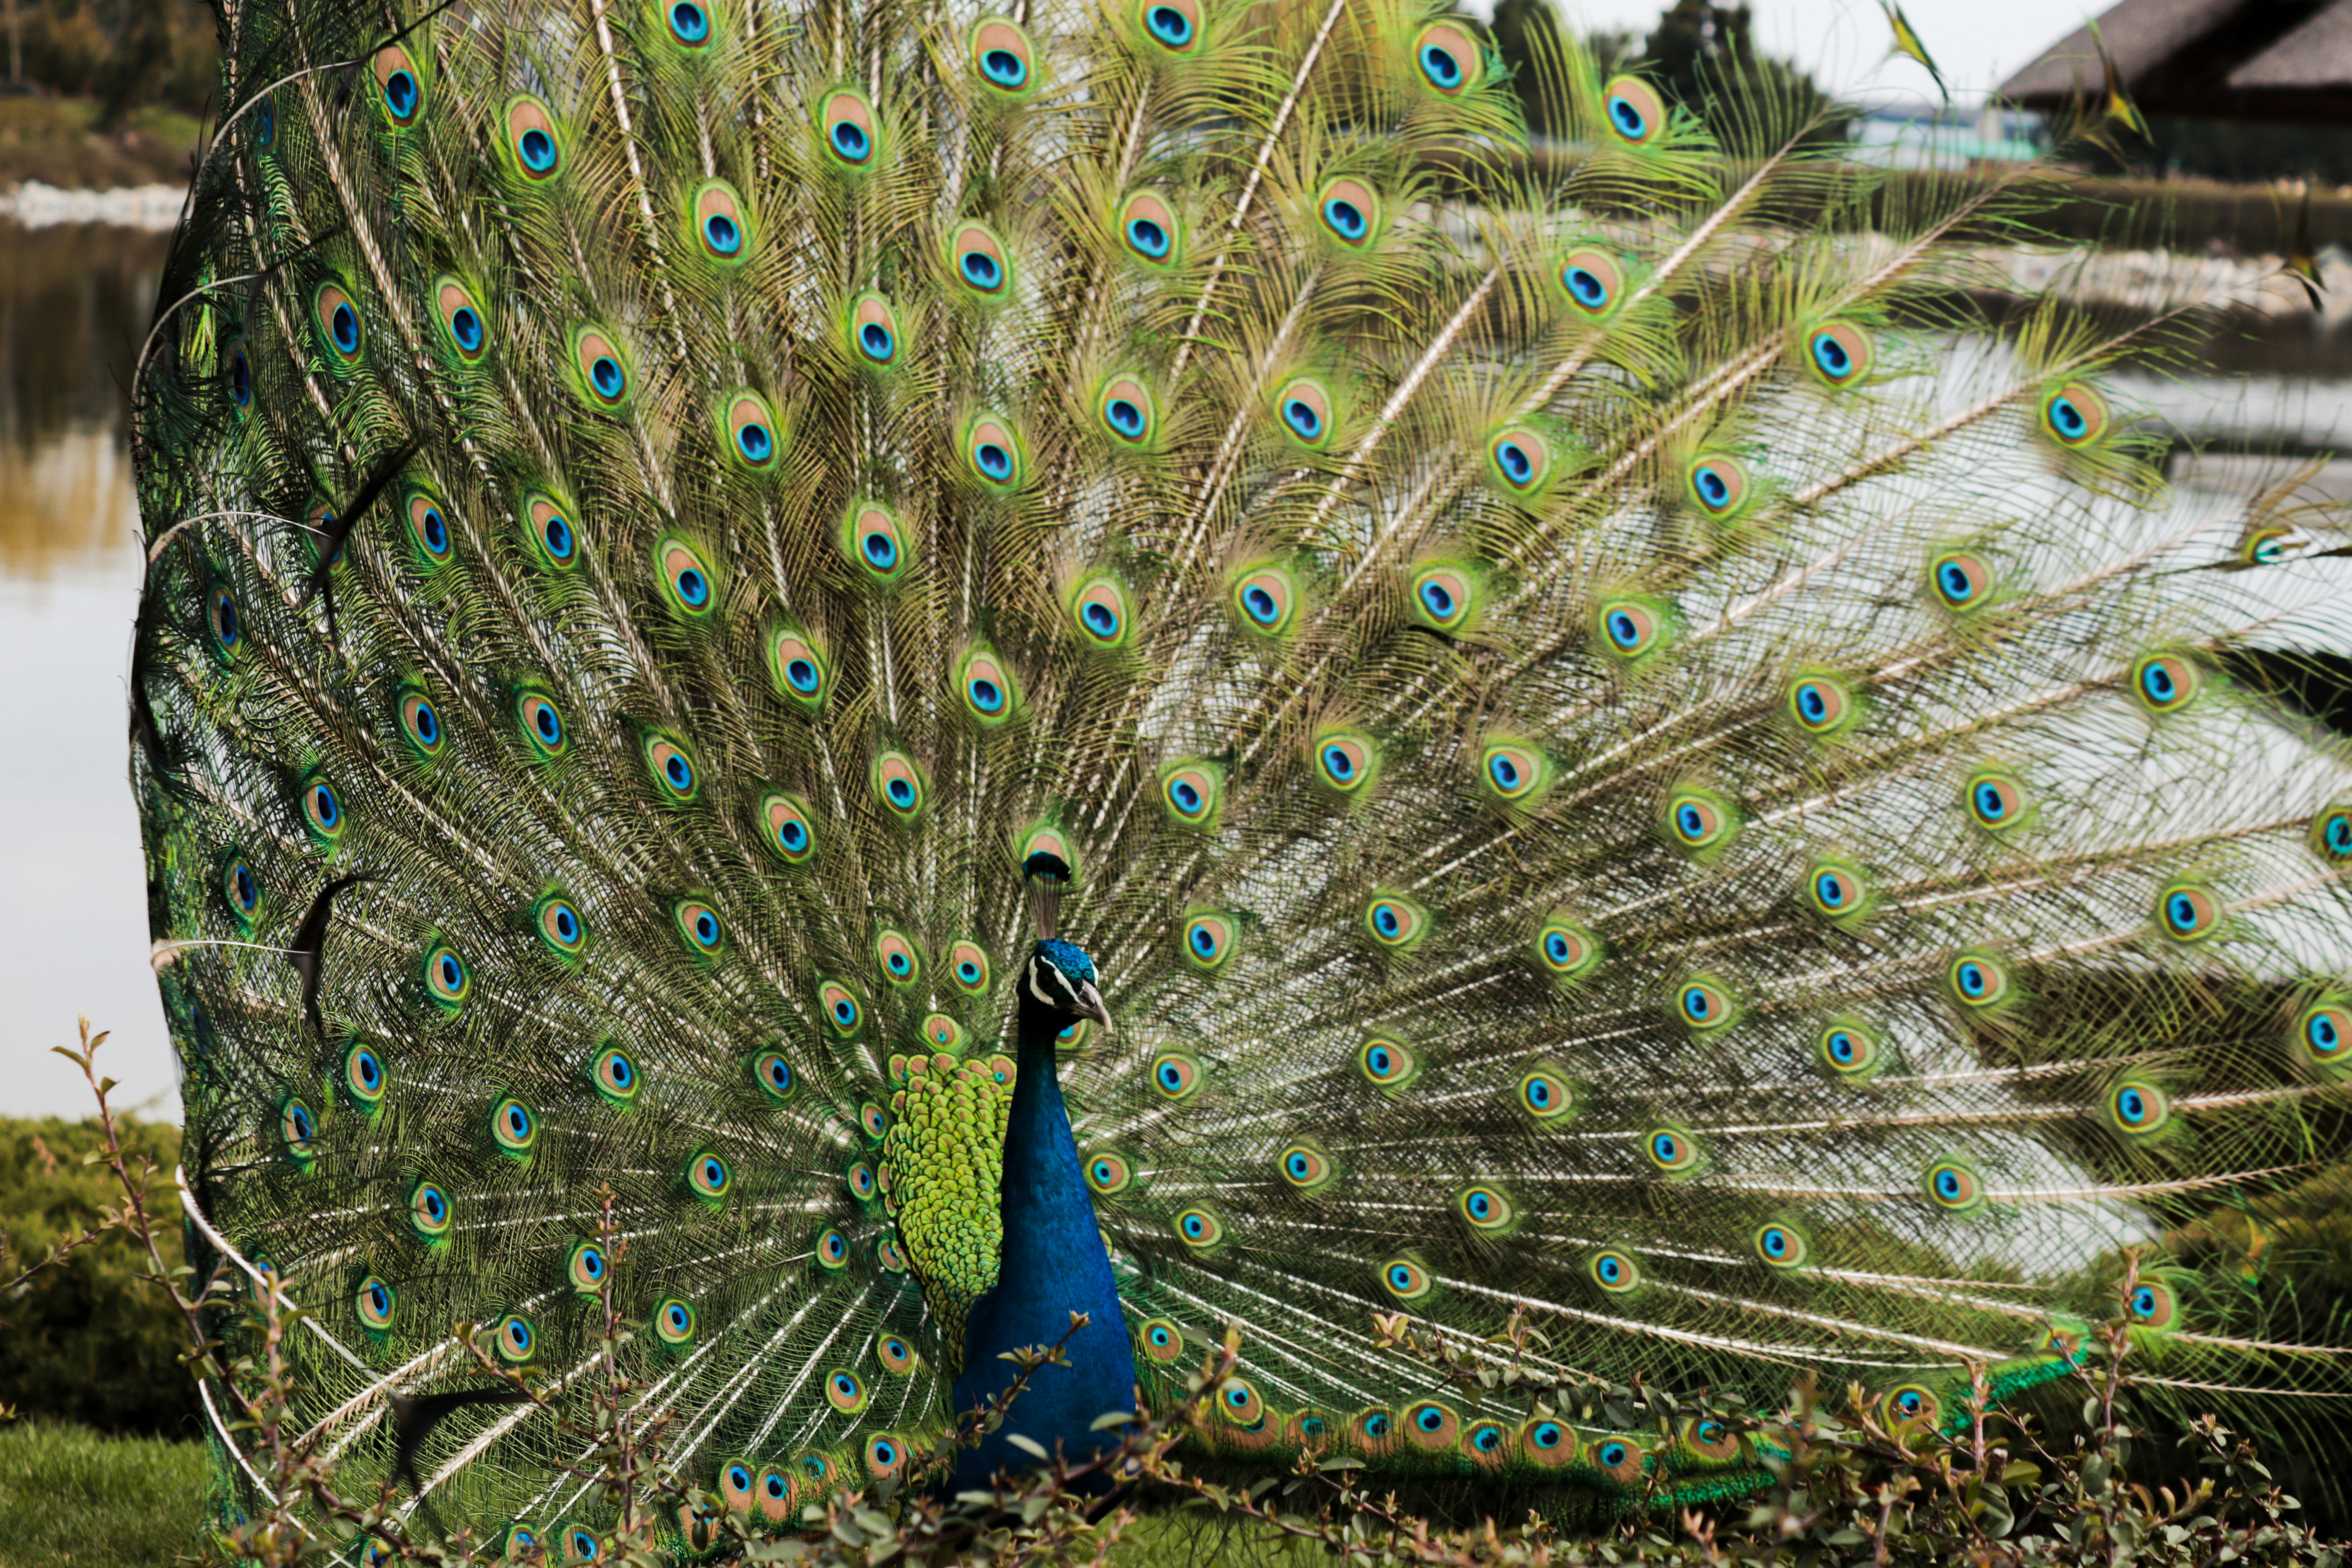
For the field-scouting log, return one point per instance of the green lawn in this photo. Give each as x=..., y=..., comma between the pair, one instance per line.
x=70, y=1496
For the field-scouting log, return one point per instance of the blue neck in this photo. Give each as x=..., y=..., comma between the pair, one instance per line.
x=1051, y=1265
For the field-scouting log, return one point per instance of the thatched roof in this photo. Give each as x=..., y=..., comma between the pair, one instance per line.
x=2240, y=59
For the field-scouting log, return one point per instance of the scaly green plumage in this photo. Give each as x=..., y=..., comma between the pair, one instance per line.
x=1619, y=757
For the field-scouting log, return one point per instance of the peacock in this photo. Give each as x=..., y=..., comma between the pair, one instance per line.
x=1125, y=657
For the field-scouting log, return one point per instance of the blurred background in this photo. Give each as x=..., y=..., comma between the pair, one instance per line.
x=102, y=105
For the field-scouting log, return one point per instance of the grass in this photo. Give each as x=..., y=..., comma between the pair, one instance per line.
x=58, y=142
x=69, y=1495
x=72, y=1497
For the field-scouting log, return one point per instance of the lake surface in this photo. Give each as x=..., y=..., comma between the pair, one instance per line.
x=74, y=305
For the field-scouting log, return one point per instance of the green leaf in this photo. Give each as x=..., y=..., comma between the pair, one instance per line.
x=1028, y=1446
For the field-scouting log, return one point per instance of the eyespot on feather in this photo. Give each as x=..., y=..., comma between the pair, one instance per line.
x=674, y=1321
x=1512, y=773
x=1107, y=1173
x=1174, y=26
x=2323, y=1035
x=1718, y=483
x=340, y=330
x=1266, y=600
x=364, y=1076
x=900, y=960
x=603, y=377
x=1431, y=1427
x=1671, y=1150
x=532, y=143
x=585, y=1268
x=1386, y=1064
x=749, y=433
x=873, y=331
x=798, y=667
x=1995, y=800
x=1305, y=1166
x=993, y=448
x=986, y=685
x=547, y=524
x=847, y=131
x=1780, y=1246
x=240, y=889
x=516, y=1339
x=1198, y=1227
x=839, y=1005
x=1836, y=892
x=420, y=724
x=541, y=724
x=688, y=23
x=1447, y=59
x=1150, y=230
x=1001, y=56
x=1406, y=1278
x=236, y=375
x=1976, y=981
x=1695, y=820
x=428, y=527
x=297, y=1133
x=1349, y=211
x=2164, y=683
x=1704, y=1004
x=2331, y=835
x=1592, y=281
x=698, y=924
x=513, y=1127
x=1635, y=114
x=2073, y=414
x=1839, y=353
x=1545, y=1092
x=560, y=926
x=1954, y=1185
x=2152, y=1304
x=831, y=1251
x=1548, y=1444
x=899, y=785
x=1848, y=1051
x=1564, y=950
x=1395, y=922
x=323, y=810
x=430, y=1214
x=375, y=1305
x=1444, y=595
x=1960, y=581
x=399, y=88
x=686, y=579
x=875, y=543
x=1191, y=792
x=1614, y=1271
x=979, y=260
x=1176, y=1075
x=1710, y=1439
x=2187, y=912
x=612, y=1071
x=1821, y=705
x=1127, y=412
x=1100, y=610
x=1520, y=458
x=1304, y=407
x=465, y=324
x=721, y=224
x=676, y=780
x=2137, y=1108
x=1345, y=762
x=1484, y=1206
x=968, y=967
x=1161, y=1341
x=1206, y=939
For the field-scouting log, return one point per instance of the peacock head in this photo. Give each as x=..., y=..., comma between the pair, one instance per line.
x=1061, y=978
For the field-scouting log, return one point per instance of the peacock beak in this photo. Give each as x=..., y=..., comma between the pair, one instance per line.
x=1090, y=1005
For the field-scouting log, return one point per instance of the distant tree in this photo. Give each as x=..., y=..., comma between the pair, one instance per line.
x=1701, y=55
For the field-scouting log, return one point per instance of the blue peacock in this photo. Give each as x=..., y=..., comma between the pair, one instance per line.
x=1103, y=657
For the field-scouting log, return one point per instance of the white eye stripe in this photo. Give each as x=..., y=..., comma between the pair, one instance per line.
x=1036, y=967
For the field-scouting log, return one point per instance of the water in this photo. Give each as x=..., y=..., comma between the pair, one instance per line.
x=74, y=303
x=73, y=922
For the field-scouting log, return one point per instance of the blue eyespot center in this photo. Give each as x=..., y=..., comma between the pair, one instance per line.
x=538, y=150
x=1440, y=67
x=1438, y=599
x=979, y=269
x=2066, y=419
x=1712, y=488
x=1513, y=459
x=345, y=326
x=1629, y=120
x=1346, y=218
x=1504, y=772
x=1100, y=619
x=692, y=586
x=876, y=339
x=1832, y=356
x=994, y=461
x=1124, y=416
x=850, y=140
x=606, y=376
x=1585, y=287
x=240, y=377
x=1958, y=587
x=687, y=21
x=400, y=94
x=1004, y=68
x=881, y=551
x=557, y=535
x=1169, y=25
x=1146, y=235
x=1302, y=417
x=901, y=792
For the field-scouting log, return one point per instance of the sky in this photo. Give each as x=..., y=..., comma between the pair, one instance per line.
x=1978, y=44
